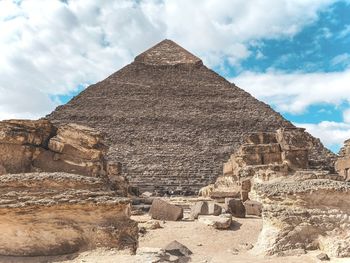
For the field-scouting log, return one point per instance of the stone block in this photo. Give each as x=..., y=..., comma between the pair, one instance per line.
x=162, y=210
x=235, y=207
x=296, y=159
x=253, y=208
x=205, y=208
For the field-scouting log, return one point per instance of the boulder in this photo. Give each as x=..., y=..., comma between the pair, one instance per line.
x=175, y=248
x=162, y=210
x=253, y=208
x=205, y=208
x=323, y=257
x=235, y=207
x=219, y=222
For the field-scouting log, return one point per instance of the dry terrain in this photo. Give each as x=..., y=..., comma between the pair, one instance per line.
x=206, y=243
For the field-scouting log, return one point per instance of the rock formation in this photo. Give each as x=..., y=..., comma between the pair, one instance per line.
x=342, y=165
x=171, y=121
x=59, y=195
x=309, y=210
x=60, y=213
x=34, y=146
x=269, y=154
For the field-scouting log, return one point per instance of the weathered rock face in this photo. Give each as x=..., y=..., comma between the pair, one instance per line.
x=29, y=146
x=270, y=155
x=73, y=200
x=59, y=213
x=307, y=211
x=342, y=165
x=20, y=142
x=171, y=121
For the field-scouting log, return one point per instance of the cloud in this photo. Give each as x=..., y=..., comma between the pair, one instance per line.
x=49, y=48
x=342, y=59
x=333, y=134
x=295, y=92
x=346, y=116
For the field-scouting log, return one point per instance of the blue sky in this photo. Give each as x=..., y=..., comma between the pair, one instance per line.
x=292, y=54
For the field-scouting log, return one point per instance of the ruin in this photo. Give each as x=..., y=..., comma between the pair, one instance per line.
x=168, y=123
x=269, y=154
x=302, y=208
x=59, y=195
x=342, y=165
x=172, y=122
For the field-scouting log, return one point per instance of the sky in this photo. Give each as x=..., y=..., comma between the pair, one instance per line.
x=292, y=54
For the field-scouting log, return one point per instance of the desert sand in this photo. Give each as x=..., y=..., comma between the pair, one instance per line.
x=208, y=245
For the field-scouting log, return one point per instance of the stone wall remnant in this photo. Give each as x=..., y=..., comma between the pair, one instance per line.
x=271, y=154
x=342, y=165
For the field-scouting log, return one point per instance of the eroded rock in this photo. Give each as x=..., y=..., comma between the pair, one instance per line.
x=303, y=213
x=60, y=213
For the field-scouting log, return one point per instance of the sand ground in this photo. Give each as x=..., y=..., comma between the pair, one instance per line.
x=207, y=244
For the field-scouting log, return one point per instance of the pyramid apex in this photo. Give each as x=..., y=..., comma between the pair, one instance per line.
x=167, y=52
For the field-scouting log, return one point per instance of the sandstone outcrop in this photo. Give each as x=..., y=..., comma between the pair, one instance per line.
x=59, y=195
x=60, y=213
x=172, y=121
x=34, y=146
x=306, y=211
x=342, y=165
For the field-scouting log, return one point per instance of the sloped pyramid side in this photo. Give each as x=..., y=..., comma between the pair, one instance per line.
x=173, y=124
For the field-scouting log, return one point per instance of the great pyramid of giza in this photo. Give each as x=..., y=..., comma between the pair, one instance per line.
x=171, y=121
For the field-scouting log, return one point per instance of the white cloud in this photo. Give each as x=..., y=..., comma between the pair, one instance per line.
x=49, y=47
x=342, y=59
x=295, y=92
x=333, y=134
x=346, y=116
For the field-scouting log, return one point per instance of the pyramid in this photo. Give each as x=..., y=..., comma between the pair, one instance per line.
x=172, y=122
